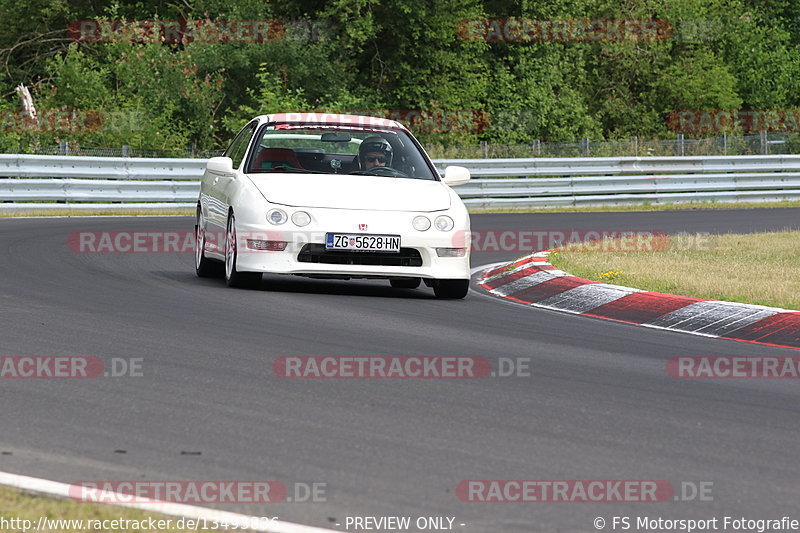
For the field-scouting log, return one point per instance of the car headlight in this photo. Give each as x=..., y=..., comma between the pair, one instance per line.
x=301, y=218
x=276, y=216
x=421, y=223
x=444, y=223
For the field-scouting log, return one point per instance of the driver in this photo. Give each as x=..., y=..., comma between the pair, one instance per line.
x=374, y=152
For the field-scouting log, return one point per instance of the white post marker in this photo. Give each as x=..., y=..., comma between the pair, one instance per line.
x=27, y=101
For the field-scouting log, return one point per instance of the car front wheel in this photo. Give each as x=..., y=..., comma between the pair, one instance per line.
x=233, y=277
x=450, y=288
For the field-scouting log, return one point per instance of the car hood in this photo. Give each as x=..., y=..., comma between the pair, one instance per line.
x=345, y=191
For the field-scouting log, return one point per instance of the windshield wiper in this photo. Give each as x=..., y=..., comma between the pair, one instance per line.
x=289, y=168
x=381, y=171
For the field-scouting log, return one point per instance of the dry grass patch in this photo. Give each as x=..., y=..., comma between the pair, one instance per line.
x=24, y=506
x=758, y=268
x=689, y=206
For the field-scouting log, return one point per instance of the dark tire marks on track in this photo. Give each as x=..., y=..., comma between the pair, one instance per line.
x=598, y=406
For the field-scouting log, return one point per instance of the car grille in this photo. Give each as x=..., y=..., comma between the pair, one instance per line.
x=317, y=253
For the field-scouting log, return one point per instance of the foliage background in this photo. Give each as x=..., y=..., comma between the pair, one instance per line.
x=394, y=54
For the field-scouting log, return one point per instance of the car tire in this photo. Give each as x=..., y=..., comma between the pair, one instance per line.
x=233, y=277
x=203, y=266
x=405, y=283
x=450, y=289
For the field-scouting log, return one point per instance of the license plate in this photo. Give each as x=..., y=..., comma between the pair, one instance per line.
x=362, y=243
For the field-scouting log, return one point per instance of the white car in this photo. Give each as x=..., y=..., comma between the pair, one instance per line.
x=332, y=196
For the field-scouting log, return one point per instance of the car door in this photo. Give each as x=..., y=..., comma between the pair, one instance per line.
x=220, y=184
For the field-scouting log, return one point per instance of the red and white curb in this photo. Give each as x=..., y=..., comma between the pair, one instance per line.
x=243, y=522
x=532, y=280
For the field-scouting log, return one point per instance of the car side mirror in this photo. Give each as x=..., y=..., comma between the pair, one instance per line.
x=454, y=176
x=221, y=165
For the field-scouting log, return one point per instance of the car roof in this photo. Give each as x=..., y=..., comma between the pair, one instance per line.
x=331, y=119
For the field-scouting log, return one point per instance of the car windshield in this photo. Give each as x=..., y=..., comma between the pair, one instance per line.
x=326, y=149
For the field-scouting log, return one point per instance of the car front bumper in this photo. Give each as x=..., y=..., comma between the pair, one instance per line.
x=286, y=261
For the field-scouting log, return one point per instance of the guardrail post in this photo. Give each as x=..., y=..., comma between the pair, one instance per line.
x=635, y=142
x=537, y=147
x=764, y=144
x=681, y=147
x=485, y=149
x=126, y=150
x=63, y=147
x=585, y=146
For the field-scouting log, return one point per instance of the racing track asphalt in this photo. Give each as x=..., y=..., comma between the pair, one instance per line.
x=598, y=405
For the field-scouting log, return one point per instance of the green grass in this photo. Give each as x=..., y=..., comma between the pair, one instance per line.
x=758, y=268
x=22, y=505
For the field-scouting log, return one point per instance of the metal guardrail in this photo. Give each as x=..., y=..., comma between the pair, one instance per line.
x=116, y=182
x=109, y=183
x=615, y=166
x=110, y=168
x=81, y=190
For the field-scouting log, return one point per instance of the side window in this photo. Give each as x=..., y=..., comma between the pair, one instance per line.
x=239, y=145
